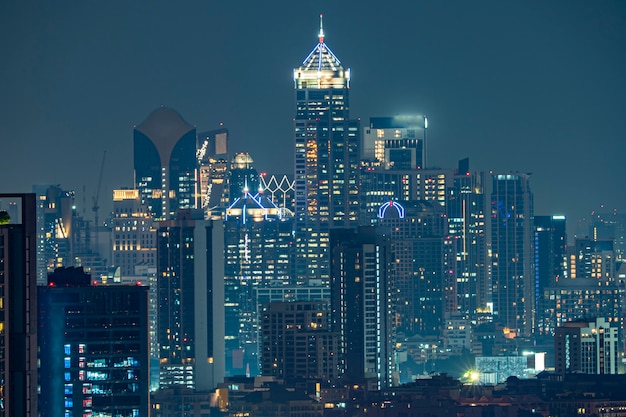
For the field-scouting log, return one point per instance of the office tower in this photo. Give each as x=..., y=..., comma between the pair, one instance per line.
x=190, y=274
x=396, y=142
x=361, y=307
x=588, y=347
x=280, y=190
x=212, y=158
x=512, y=274
x=165, y=163
x=93, y=347
x=55, y=218
x=551, y=264
x=297, y=343
x=134, y=233
x=243, y=176
x=594, y=258
x=18, y=305
x=465, y=210
x=326, y=158
x=424, y=266
x=258, y=254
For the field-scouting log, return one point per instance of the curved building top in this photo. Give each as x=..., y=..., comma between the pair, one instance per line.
x=321, y=68
x=164, y=127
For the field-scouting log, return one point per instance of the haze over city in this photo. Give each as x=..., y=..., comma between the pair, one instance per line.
x=532, y=87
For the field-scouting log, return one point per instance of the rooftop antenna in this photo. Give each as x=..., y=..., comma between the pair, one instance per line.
x=321, y=34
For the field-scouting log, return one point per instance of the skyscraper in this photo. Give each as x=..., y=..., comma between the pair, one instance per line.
x=55, y=220
x=212, y=157
x=361, y=308
x=18, y=306
x=258, y=254
x=165, y=163
x=326, y=158
x=513, y=276
x=550, y=260
x=466, y=212
x=190, y=274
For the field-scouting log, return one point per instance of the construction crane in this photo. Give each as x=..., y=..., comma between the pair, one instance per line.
x=95, y=199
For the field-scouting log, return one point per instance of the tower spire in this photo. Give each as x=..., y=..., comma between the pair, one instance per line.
x=321, y=34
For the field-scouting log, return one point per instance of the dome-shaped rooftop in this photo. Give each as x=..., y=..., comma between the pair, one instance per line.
x=242, y=161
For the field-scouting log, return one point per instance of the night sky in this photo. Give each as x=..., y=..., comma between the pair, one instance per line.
x=532, y=86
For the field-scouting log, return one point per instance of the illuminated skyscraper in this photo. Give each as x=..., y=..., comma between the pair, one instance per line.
x=513, y=276
x=165, y=163
x=326, y=158
x=18, y=306
x=258, y=245
x=190, y=274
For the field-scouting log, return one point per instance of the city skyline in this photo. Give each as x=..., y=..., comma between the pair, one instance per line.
x=532, y=87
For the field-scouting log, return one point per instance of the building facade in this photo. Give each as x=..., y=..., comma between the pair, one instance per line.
x=588, y=347
x=93, y=347
x=296, y=341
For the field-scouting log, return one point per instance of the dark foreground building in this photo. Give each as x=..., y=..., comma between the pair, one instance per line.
x=18, y=302
x=93, y=347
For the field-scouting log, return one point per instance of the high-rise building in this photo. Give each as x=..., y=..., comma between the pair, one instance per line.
x=258, y=244
x=361, y=307
x=513, y=276
x=297, y=342
x=326, y=158
x=588, y=347
x=424, y=278
x=55, y=236
x=212, y=155
x=581, y=299
x=551, y=265
x=396, y=142
x=18, y=305
x=165, y=163
x=190, y=275
x=594, y=258
x=466, y=213
x=134, y=233
x=93, y=347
